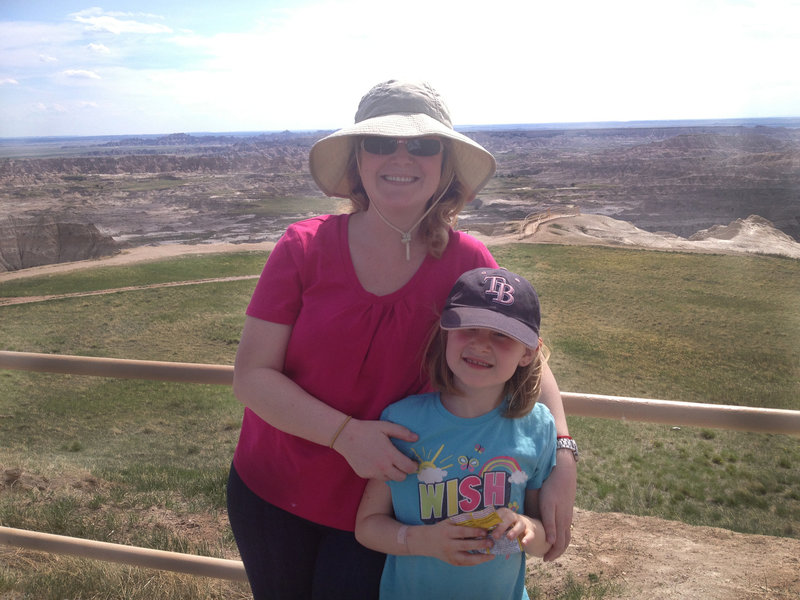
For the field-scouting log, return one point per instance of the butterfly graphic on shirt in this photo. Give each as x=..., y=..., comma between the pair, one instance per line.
x=468, y=463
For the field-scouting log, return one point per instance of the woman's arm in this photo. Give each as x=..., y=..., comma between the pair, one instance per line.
x=376, y=528
x=259, y=383
x=557, y=497
x=551, y=398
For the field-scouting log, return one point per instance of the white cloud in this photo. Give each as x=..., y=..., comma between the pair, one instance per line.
x=99, y=48
x=47, y=59
x=431, y=475
x=9, y=81
x=518, y=477
x=81, y=74
x=49, y=108
x=96, y=19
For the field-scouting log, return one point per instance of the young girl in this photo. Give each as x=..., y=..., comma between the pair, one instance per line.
x=485, y=447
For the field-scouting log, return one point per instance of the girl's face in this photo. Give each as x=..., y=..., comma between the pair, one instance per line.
x=483, y=358
x=401, y=183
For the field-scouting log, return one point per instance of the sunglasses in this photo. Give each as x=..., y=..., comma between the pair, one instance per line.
x=385, y=146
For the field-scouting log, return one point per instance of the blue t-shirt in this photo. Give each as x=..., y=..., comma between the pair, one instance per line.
x=465, y=465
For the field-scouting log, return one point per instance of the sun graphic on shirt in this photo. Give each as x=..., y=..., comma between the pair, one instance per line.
x=428, y=471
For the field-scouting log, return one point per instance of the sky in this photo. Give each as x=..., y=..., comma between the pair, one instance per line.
x=132, y=67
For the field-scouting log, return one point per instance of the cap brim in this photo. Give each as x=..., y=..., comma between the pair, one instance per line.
x=328, y=157
x=466, y=317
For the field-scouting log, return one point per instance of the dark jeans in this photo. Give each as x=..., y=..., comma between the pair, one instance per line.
x=287, y=557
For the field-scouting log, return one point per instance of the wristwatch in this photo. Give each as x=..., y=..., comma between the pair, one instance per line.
x=564, y=442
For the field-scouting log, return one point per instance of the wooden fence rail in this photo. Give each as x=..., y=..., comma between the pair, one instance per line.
x=720, y=416
x=762, y=420
x=219, y=568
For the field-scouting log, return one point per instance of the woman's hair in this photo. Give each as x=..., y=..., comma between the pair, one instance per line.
x=521, y=391
x=435, y=228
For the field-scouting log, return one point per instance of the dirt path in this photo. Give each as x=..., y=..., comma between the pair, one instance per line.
x=136, y=255
x=653, y=559
x=30, y=299
x=572, y=230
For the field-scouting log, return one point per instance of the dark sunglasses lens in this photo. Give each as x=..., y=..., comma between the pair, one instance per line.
x=416, y=146
x=424, y=146
x=379, y=145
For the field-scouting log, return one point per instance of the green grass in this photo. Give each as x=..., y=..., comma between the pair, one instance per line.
x=133, y=461
x=589, y=586
x=690, y=327
x=686, y=327
x=269, y=205
x=185, y=268
x=108, y=581
x=150, y=184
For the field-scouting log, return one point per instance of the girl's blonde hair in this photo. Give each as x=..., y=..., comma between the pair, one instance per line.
x=435, y=228
x=521, y=392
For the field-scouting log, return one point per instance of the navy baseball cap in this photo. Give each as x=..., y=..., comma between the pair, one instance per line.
x=494, y=299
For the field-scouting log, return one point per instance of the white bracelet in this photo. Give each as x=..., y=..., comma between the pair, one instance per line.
x=401, y=536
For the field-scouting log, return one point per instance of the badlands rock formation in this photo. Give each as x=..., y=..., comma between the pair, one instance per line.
x=753, y=235
x=687, y=187
x=29, y=243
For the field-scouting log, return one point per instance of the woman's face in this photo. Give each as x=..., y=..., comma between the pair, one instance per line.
x=402, y=182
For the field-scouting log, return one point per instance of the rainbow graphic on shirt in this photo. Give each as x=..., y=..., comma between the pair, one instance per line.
x=507, y=463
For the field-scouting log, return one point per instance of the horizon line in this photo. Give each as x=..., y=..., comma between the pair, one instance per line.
x=633, y=124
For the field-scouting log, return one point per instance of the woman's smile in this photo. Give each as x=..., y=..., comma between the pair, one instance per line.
x=400, y=178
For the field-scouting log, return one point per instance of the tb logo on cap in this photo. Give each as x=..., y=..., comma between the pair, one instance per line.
x=499, y=288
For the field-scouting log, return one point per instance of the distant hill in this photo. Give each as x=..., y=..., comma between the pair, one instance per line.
x=678, y=178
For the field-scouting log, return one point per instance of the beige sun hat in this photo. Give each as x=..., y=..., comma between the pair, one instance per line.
x=405, y=110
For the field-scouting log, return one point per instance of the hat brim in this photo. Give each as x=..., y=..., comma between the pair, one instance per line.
x=328, y=158
x=464, y=317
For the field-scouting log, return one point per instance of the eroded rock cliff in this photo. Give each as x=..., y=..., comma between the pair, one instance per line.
x=33, y=242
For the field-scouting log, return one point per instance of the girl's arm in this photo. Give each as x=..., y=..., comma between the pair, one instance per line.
x=376, y=528
x=557, y=497
x=259, y=383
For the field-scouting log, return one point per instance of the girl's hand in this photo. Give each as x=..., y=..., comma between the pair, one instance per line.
x=449, y=542
x=556, y=501
x=529, y=531
x=367, y=447
x=513, y=526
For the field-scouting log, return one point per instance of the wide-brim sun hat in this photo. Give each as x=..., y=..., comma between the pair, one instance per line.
x=399, y=109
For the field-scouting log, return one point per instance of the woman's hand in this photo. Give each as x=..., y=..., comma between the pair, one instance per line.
x=556, y=501
x=449, y=542
x=368, y=449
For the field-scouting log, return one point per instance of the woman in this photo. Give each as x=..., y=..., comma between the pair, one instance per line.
x=333, y=335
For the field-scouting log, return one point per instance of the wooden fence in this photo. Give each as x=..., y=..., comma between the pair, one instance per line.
x=741, y=418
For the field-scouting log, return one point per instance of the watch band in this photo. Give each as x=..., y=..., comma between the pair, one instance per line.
x=564, y=442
